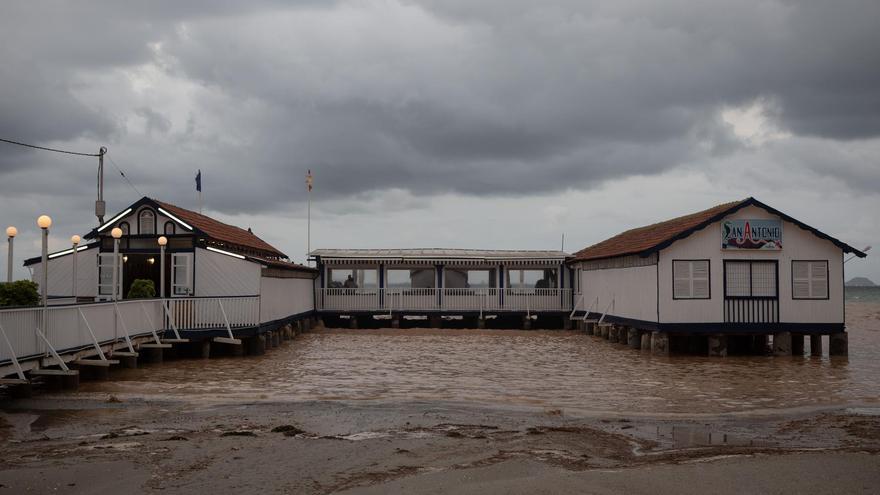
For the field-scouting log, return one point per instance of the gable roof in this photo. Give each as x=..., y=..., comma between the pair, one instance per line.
x=208, y=227
x=644, y=241
x=219, y=230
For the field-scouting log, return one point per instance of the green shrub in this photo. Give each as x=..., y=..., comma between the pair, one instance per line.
x=142, y=288
x=19, y=293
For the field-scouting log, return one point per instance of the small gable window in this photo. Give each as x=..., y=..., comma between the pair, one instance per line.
x=809, y=279
x=690, y=279
x=146, y=222
x=170, y=229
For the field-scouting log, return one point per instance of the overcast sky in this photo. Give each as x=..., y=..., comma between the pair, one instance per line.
x=444, y=123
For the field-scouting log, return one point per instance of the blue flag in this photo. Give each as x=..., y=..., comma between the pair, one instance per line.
x=199, y=181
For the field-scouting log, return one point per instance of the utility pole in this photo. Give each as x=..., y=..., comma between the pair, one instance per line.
x=100, y=205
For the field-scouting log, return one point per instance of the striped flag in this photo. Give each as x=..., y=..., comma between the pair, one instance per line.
x=309, y=180
x=199, y=181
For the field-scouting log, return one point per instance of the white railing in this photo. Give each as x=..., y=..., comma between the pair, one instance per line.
x=92, y=325
x=448, y=299
x=75, y=326
x=207, y=313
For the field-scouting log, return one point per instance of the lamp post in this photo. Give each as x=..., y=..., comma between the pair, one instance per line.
x=44, y=222
x=116, y=233
x=11, y=232
x=162, y=242
x=75, y=241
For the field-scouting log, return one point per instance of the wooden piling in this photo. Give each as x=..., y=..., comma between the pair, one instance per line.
x=816, y=345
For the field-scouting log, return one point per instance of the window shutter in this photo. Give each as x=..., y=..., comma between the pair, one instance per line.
x=681, y=279
x=809, y=279
x=819, y=279
x=739, y=279
x=700, y=276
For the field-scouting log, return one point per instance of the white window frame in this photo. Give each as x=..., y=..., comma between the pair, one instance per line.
x=680, y=279
x=187, y=284
x=107, y=295
x=817, y=272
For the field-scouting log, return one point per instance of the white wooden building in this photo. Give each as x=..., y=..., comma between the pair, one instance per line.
x=442, y=281
x=205, y=259
x=736, y=269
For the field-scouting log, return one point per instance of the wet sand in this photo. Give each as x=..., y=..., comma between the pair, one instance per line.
x=155, y=431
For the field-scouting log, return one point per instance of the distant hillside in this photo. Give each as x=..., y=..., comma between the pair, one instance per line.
x=860, y=282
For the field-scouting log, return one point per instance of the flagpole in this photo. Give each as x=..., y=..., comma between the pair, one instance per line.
x=309, y=217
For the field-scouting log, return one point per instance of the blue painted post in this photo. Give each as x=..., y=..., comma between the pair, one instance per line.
x=501, y=286
x=381, y=285
x=439, y=286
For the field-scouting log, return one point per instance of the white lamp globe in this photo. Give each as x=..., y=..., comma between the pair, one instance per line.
x=44, y=222
x=116, y=233
x=75, y=240
x=11, y=231
x=163, y=240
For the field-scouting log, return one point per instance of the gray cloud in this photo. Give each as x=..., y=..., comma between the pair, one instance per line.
x=496, y=98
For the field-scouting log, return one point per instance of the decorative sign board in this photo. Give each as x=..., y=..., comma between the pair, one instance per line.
x=751, y=234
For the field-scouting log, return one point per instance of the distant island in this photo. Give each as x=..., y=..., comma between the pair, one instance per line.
x=860, y=282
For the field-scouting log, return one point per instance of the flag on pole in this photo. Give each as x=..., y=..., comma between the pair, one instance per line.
x=199, y=181
x=309, y=180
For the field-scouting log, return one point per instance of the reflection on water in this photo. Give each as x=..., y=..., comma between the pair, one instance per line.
x=548, y=369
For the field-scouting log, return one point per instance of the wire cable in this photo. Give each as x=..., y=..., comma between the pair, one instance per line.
x=130, y=184
x=48, y=149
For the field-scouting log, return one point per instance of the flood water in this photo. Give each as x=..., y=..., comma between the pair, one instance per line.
x=549, y=369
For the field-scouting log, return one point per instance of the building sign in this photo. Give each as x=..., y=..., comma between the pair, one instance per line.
x=751, y=234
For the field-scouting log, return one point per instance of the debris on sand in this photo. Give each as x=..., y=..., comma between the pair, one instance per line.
x=113, y=400
x=176, y=438
x=238, y=433
x=288, y=430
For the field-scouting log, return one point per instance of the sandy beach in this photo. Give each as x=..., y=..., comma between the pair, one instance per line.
x=129, y=435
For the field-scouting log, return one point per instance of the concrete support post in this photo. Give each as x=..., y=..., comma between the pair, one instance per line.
x=395, y=322
x=590, y=327
x=299, y=326
x=632, y=338
x=481, y=323
x=204, y=349
x=838, y=344
x=659, y=344
x=352, y=322
x=782, y=344
x=95, y=373
x=718, y=345
x=435, y=321
x=797, y=344
x=129, y=362
x=613, y=333
x=527, y=323
x=646, y=341
x=70, y=382
x=151, y=355
x=256, y=345
x=816, y=345
x=566, y=323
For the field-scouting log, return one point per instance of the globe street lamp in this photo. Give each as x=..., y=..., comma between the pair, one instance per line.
x=162, y=242
x=75, y=241
x=44, y=222
x=11, y=232
x=116, y=233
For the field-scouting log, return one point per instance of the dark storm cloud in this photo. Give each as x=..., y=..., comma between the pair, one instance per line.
x=477, y=97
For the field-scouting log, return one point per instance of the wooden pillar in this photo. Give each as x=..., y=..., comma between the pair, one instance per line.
x=660, y=343
x=816, y=345
x=646, y=341
x=613, y=334
x=718, y=345
x=838, y=344
x=782, y=344
x=797, y=344
x=632, y=338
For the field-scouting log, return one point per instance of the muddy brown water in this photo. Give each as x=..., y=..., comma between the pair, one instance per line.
x=547, y=369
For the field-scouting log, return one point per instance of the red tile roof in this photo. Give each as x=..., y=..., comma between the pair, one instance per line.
x=642, y=239
x=284, y=265
x=221, y=231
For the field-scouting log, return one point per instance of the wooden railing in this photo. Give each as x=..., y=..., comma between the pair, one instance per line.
x=448, y=299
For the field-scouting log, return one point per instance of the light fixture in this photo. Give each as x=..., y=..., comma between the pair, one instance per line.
x=151, y=260
x=162, y=240
x=116, y=232
x=11, y=231
x=75, y=240
x=125, y=259
x=44, y=222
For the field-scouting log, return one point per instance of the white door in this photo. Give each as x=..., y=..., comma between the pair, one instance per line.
x=105, y=277
x=181, y=274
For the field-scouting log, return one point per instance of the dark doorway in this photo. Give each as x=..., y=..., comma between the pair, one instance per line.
x=139, y=266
